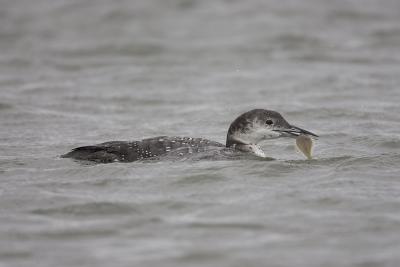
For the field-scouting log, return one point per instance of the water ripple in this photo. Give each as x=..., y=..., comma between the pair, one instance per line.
x=88, y=209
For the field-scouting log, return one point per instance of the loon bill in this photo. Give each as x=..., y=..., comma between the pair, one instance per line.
x=244, y=133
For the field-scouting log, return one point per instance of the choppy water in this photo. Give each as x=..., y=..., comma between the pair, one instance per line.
x=79, y=72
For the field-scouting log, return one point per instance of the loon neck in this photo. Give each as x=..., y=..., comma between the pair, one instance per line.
x=244, y=146
x=249, y=148
x=235, y=142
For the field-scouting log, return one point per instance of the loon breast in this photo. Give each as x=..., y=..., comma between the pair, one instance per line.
x=128, y=151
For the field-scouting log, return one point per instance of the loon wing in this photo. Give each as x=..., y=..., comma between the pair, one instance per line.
x=125, y=151
x=102, y=153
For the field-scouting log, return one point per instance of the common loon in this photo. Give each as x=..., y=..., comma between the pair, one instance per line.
x=244, y=133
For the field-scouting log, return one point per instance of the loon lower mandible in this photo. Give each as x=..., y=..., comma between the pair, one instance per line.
x=244, y=133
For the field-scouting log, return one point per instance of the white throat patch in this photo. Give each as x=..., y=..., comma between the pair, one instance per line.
x=252, y=148
x=256, y=134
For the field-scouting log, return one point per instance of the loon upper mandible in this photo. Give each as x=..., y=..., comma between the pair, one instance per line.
x=244, y=133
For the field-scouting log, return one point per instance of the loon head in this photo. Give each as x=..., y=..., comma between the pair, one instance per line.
x=257, y=125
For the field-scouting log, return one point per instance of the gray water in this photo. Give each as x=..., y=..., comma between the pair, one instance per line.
x=77, y=72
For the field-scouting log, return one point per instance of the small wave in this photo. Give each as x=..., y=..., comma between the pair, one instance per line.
x=378, y=161
x=136, y=50
x=78, y=233
x=377, y=141
x=227, y=225
x=321, y=161
x=88, y=209
x=5, y=106
x=15, y=254
x=199, y=179
x=390, y=144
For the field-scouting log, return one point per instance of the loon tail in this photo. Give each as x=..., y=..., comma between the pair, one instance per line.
x=93, y=153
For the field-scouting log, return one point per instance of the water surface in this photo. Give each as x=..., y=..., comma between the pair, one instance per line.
x=83, y=72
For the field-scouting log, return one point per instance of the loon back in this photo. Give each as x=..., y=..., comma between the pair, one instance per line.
x=122, y=151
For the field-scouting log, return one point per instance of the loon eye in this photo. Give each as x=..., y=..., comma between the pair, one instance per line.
x=269, y=122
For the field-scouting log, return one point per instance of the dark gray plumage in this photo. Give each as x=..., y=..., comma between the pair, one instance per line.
x=122, y=151
x=244, y=133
